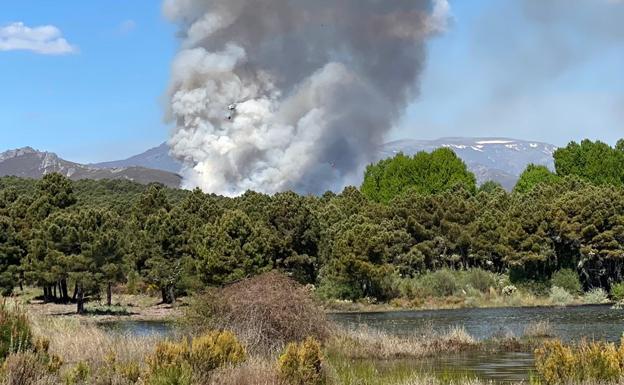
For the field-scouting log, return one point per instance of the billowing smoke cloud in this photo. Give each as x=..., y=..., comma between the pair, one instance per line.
x=275, y=95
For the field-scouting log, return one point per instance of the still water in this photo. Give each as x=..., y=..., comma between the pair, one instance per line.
x=570, y=324
x=139, y=328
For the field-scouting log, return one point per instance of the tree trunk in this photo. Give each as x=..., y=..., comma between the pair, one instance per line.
x=163, y=292
x=109, y=294
x=46, y=294
x=54, y=293
x=64, y=293
x=172, y=295
x=75, y=292
x=79, y=299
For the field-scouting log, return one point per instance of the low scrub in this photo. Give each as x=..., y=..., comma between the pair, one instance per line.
x=596, y=362
x=617, y=291
x=560, y=296
x=26, y=368
x=302, y=364
x=214, y=350
x=15, y=332
x=567, y=279
x=202, y=355
x=367, y=343
x=539, y=329
x=596, y=296
x=447, y=283
x=266, y=312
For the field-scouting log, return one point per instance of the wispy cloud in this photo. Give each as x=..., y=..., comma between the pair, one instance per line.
x=126, y=27
x=45, y=40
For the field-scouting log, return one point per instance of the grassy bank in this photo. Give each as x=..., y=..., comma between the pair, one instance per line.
x=91, y=355
x=262, y=331
x=474, y=288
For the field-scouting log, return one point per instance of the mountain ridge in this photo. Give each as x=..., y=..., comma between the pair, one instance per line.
x=499, y=159
x=27, y=162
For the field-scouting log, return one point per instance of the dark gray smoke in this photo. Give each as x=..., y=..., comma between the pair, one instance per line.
x=272, y=95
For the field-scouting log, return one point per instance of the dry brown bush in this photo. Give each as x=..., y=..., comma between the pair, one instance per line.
x=265, y=312
x=252, y=372
x=25, y=368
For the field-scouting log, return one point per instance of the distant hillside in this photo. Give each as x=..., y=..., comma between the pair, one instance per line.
x=157, y=158
x=29, y=163
x=498, y=159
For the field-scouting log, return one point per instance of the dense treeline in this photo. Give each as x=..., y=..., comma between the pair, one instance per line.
x=77, y=239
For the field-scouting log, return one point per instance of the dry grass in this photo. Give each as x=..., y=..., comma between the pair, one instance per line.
x=77, y=341
x=540, y=329
x=266, y=312
x=366, y=343
x=435, y=381
x=255, y=371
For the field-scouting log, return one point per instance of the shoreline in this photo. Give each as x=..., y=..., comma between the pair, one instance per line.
x=388, y=308
x=142, y=308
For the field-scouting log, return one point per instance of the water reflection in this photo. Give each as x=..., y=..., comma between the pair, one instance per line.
x=139, y=328
x=570, y=324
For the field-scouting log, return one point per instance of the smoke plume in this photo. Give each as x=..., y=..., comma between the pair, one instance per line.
x=274, y=95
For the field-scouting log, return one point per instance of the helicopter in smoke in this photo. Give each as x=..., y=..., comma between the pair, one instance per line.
x=231, y=111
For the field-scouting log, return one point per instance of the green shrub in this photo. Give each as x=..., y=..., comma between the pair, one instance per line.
x=480, y=279
x=167, y=354
x=538, y=288
x=172, y=375
x=15, y=333
x=302, y=364
x=78, y=374
x=216, y=349
x=596, y=362
x=441, y=283
x=617, y=291
x=597, y=295
x=567, y=279
x=560, y=296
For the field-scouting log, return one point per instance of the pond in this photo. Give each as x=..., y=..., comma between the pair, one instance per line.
x=139, y=328
x=570, y=324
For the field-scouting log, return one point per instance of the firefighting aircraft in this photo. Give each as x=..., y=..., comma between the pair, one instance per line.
x=231, y=111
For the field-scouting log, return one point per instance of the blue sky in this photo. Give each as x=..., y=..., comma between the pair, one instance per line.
x=513, y=68
x=102, y=101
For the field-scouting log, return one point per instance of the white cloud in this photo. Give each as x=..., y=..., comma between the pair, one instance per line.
x=45, y=40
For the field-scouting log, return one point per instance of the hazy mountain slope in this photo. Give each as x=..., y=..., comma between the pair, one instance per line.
x=498, y=159
x=156, y=158
x=29, y=163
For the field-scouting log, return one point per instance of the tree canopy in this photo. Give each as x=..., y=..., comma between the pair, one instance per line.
x=596, y=162
x=412, y=215
x=424, y=173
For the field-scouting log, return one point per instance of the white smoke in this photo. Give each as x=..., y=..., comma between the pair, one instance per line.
x=274, y=95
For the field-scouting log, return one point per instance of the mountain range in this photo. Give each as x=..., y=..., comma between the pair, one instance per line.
x=498, y=159
x=29, y=163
